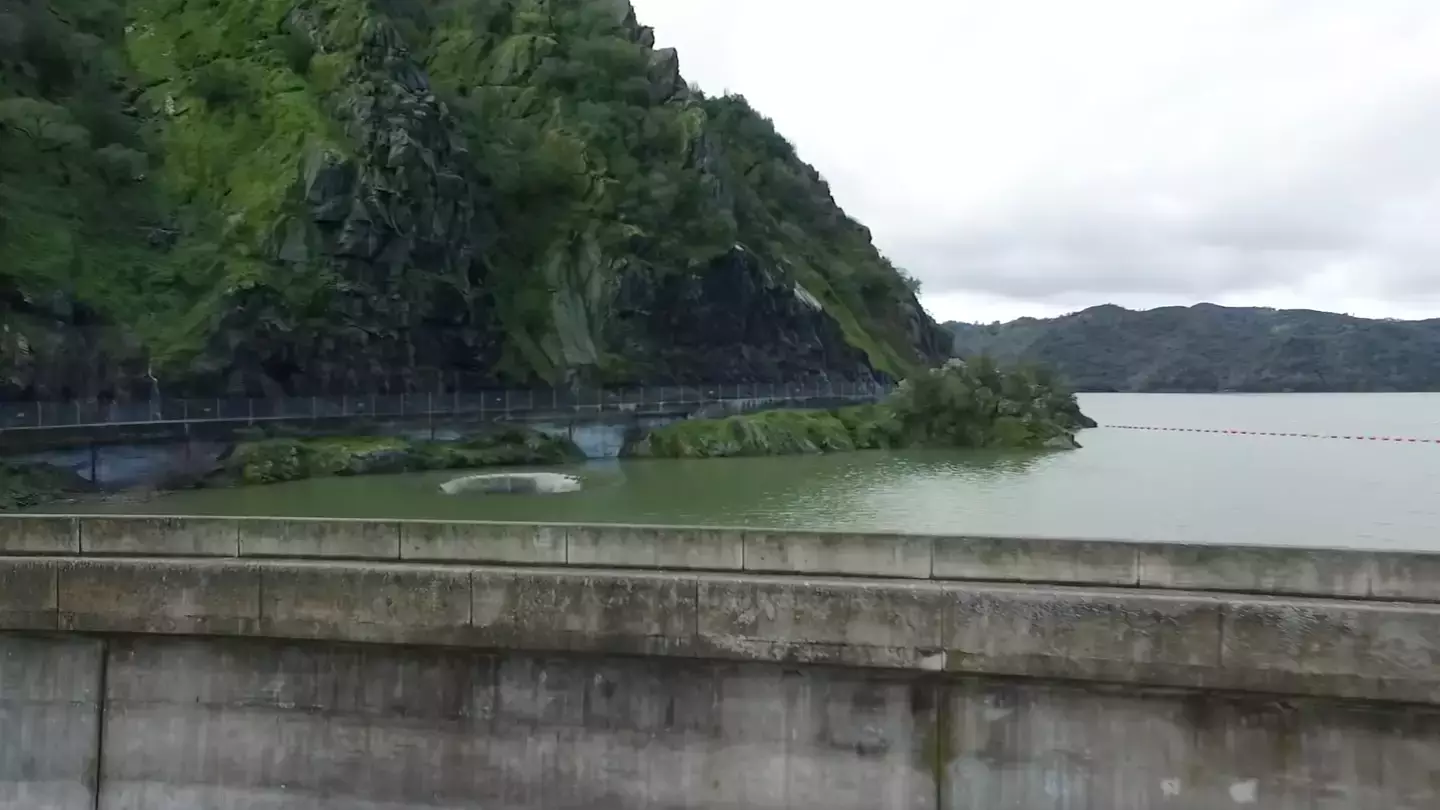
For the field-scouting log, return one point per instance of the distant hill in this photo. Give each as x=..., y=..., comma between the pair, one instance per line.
x=1214, y=348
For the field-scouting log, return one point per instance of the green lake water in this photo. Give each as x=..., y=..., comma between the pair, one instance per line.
x=1184, y=487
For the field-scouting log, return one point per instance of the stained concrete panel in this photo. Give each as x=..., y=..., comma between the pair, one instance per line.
x=39, y=535
x=1397, y=575
x=1344, y=649
x=201, y=537
x=229, y=725
x=1038, y=746
x=1312, y=572
x=28, y=593
x=401, y=604
x=159, y=596
x=49, y=722
x=436, y=541
x=620, y=612
x=852, y=622
x=1082, y=633
x=1014, y=559
x=871, y=555
x=656, y=547
x=350, y=539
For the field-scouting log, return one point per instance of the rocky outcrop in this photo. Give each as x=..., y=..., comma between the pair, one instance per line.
x=401, y=196
x=404, y=226
x=733, y=321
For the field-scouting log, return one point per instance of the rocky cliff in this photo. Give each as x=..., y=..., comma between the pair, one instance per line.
x=316, y=196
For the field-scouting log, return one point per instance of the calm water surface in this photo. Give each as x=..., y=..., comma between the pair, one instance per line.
x=1124, y=484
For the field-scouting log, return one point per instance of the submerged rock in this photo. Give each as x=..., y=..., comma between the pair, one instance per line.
x=1065, y=441
x=513, y=484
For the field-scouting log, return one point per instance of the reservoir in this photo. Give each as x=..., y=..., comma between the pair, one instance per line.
x=1124, y=483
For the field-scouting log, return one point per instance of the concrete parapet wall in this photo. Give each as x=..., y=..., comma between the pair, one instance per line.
x=1281, y=571
x=50, y=697
x=176, y=723
x=1296, y=646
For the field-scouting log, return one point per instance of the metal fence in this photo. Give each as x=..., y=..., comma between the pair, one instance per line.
x=500, y=403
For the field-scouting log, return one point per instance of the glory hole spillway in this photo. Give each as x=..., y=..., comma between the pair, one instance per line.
x=166, y=663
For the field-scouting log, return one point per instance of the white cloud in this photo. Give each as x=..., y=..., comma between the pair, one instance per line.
x=1039, y=156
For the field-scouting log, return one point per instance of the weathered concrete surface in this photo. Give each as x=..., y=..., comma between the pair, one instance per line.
x=200, y=597
x=1104, y=635
x=25, y=535
x=596, y=611
x=201, y=537
x=869, y=624
x=1030, y=560
x=50, y=692
x=1342, y=649
x=397, y=604
x=1256, y=570
x=349, y=539
x=905, y=556
x=1040, y=746
x=228, y=724
x=29, y=594
x=1338, y=648
x=652, y=547
x=482, y=542
x=231, y=725
x=1300, y=572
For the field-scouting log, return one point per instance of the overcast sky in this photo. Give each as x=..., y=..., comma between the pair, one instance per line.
x=1034, y=157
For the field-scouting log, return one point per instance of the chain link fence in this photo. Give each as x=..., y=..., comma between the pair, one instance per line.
x=500, y=403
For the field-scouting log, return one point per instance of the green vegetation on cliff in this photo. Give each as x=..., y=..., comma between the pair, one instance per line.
x=273, y=461
x=322, y=195
x=26, y=485
x=768, y=433
x=1211, y=348
x=968, y=405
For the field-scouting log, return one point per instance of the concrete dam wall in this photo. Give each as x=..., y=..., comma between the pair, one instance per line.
x=178, y=724
x=178, y=663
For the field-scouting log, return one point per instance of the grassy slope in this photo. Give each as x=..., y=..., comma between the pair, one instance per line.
x=164, y=138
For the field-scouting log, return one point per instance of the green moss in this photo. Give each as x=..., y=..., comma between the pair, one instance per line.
x=268, y=462
x=762, y=434
x=959, y=405
x=152, y=153
x=872, y=426
x=26, y=485
x=272, y=461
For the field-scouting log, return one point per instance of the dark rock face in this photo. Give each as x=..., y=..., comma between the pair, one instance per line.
x=731, y=322
x=404, y=226
x=55, y=348
x=377, y=262
x=666, y=81
x=933, y=342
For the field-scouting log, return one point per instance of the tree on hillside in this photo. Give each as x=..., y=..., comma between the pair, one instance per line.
x=976, y=403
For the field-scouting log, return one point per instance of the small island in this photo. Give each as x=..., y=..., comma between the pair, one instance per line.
x=962, y=404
